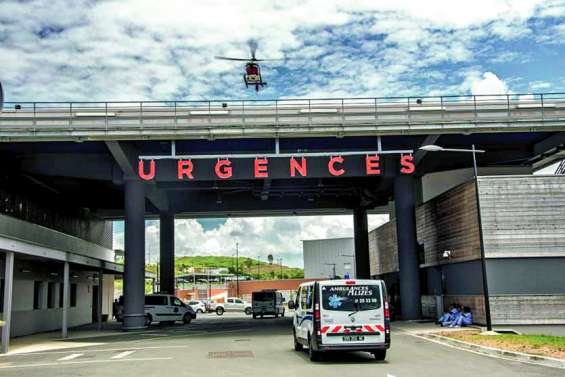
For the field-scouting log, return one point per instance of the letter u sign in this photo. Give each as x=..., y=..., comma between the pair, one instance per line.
x=141, y=170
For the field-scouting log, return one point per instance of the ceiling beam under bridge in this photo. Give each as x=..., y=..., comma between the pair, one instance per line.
x=126, y=156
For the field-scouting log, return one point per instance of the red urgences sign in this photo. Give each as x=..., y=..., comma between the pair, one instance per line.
x=182, y=169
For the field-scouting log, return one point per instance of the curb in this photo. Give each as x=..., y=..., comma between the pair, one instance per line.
x=511, y=355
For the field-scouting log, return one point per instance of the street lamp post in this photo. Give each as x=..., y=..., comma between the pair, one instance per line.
x=237, y=268
x=474, y=151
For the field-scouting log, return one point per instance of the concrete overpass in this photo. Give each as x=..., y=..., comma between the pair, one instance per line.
x=87, y=156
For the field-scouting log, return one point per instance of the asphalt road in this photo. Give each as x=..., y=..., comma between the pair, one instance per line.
x=259, y=348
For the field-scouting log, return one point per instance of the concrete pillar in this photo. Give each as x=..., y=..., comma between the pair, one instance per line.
x=167, y=253
x=404, y=202
x=134, y=268
x=66, y=299
x=8, y=289
x=361, y=234
x=100, y=295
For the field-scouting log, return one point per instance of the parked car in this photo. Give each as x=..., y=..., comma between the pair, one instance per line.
x=163, y=308
x=233, y=304
x=197, y=306
x=341, y=315
x=267, y=302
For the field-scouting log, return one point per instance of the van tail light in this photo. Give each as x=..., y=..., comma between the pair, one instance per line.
x=317, y=312
x=387, y=323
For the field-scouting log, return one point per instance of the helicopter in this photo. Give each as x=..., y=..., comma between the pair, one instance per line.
x=252, y=75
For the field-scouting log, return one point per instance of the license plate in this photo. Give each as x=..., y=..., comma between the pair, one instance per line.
x=353, y=338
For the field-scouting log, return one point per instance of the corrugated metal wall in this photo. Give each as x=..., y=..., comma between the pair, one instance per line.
x=319, y=254
x=523, y=216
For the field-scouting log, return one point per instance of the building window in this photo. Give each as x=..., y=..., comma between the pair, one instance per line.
x=73, y=295
x=51, y=295
x=37, y=295
x=61, y=295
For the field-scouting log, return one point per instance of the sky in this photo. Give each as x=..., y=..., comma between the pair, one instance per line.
x=89, y=50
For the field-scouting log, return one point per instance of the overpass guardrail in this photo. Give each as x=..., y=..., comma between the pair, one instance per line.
x=281, y=117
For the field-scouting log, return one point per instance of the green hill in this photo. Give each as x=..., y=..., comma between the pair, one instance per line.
x=247, y=267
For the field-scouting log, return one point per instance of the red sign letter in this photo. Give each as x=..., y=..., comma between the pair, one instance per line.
x=223, y=173
x=261, y=168
x=331, y=166
x=141, y=171
x=373, y=165
x=184, y=167
x=300, y=167
x=407, y=163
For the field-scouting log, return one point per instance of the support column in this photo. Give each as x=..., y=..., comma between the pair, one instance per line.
x=167, y=253
x=66, y=299
x=134, y=269
x=361, y=234
x=100, y=296
x=8, y=289
x=404, y=203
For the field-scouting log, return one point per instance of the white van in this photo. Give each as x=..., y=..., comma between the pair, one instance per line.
x=167, y=308
x=341, y=315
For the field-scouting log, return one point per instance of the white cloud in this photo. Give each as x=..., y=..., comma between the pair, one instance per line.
x=141, y=49
x=486, y=83
x=257, y=237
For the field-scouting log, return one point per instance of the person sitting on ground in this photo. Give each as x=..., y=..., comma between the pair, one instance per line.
x=454, y=314
x=443, y=318
x=465, y=319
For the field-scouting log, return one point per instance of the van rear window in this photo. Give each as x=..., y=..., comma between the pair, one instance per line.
x=351, y=298
x=263, y=296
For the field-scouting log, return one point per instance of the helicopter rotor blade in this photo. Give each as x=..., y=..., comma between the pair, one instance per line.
x=253, y=47
x=233, y=59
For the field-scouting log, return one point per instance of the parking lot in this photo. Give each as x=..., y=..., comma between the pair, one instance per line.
x=235, y=345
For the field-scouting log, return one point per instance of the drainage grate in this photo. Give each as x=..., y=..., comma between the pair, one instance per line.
x=230, y=354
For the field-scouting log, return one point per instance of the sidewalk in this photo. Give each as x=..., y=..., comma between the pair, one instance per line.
x=51, y=341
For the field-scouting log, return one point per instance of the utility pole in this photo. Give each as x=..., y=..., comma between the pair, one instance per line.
x=280, y=264
x=258, y=267
x=237, y=268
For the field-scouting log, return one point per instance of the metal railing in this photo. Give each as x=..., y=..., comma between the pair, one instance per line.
x=153, y=116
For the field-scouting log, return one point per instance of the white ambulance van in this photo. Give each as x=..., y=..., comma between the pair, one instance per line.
x=341, y=315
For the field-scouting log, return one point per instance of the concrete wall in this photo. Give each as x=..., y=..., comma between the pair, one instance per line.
x=434, y=184
x=27, y=320
x=319, y=254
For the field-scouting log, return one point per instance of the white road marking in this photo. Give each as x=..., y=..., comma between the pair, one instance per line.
x=71, y=357
x=82, y=362
x=88, y=350
x=121, y=355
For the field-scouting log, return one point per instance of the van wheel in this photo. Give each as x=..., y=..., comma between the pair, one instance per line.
x=379, y=355
x=312, y=354
x=148, y=320
x=248, y=311
x=186, y=319
x=219, y=310
x=297, y=345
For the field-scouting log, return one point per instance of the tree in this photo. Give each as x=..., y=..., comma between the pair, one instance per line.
x=270, y=258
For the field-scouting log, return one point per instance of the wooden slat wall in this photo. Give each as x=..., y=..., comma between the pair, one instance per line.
x=523, y=216
x=383, y=249
x=449, y=222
